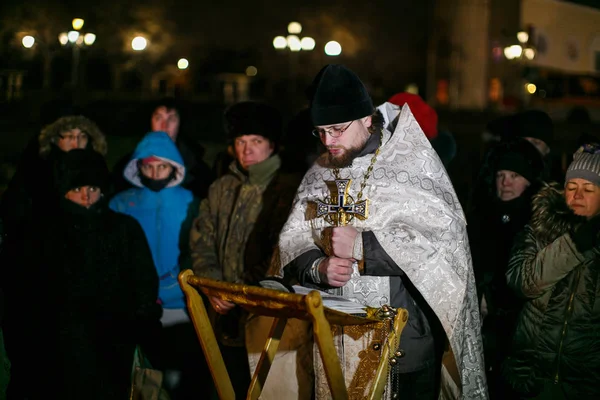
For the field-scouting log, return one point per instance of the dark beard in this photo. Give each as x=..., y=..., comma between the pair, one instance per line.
x=370, y=145
x=344, y=160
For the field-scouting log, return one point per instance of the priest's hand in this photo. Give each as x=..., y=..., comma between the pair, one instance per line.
x=221, y=306
x=342, y=241
x=336, y=271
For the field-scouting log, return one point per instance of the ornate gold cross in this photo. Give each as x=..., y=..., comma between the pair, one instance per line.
x=339, y=209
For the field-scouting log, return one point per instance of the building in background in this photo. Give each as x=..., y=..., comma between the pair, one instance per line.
x=512, y=54
x=458, y=54
x=566, y=69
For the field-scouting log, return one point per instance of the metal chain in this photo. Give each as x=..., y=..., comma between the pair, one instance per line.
x=336, y=171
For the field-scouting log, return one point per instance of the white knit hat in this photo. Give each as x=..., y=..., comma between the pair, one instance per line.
x=586, y=164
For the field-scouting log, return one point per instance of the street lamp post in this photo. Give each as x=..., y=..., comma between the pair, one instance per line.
x=292, y=41
x=294, y=44
x=521, y=53
x=76, y=39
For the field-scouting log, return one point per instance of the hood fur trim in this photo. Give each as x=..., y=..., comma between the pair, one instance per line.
x=51, y=132
x=551, y=216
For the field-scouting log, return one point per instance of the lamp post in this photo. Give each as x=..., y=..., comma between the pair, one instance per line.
x=76, y=39
x=293, y=44
x=292, y=41
x=521, y=52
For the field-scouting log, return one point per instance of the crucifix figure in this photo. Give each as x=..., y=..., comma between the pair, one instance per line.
x=341, y=209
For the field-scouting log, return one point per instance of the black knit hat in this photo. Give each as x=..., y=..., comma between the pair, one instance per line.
x=521, y=157
x=253, y=118
x=80, y=167
x=338, y=95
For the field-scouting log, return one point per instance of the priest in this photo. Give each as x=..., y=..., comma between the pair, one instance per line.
x=376, y=220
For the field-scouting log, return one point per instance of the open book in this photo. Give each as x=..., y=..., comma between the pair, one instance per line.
x=335, y=302
x=329, y=300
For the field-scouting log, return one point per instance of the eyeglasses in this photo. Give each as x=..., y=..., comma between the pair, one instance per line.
x=333, y=131
x=83, y=137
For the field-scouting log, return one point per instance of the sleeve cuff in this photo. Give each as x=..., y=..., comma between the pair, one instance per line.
x=313, y=272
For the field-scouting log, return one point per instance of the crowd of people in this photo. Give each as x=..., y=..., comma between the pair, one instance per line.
x=503, y=298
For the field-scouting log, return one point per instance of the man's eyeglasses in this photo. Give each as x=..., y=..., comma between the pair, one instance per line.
x=333, y=131
x=71, y=138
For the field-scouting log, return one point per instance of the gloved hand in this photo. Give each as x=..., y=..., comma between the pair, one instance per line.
x=586, y=237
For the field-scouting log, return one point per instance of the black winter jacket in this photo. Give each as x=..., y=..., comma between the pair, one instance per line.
x=81, y=291
x=558, y=332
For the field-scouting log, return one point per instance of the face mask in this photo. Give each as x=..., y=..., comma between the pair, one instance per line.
x=156, y=185
x=73, y=208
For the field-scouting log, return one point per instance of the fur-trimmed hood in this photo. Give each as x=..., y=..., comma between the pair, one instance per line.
x=551, y=216
x=50, y=133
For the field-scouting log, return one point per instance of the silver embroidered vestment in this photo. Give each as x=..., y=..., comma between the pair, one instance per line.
x=416, y=217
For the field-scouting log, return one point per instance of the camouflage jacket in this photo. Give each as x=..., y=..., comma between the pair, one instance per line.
x=239, y=222
x=237, y=229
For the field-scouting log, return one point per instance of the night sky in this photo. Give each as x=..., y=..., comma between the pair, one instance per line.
x=378, y=38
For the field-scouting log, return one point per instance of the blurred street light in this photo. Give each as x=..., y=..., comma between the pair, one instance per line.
x=63, y=38
x=531, y=88
x=522, y=37
x=183, y=63
x=89, y=39
x=294, y=28
x=307, y=43
x=529, y=53
x=522, y=50
x=73, y=36
x=251, y=70
x=512, y=52
x=28, y=41
x=139, y=43
x=516, y=52
x=279, y=42
x=292, y=41
x=77, y=23
x=333, y=48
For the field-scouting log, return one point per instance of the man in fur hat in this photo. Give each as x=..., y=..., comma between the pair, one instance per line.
x=403, y=243
x=239, y=222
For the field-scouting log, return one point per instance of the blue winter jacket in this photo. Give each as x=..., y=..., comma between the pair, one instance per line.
x=165, y=216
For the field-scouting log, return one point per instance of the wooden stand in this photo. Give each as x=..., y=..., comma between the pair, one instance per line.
x=281, y=306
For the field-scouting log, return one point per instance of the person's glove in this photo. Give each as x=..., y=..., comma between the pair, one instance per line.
x=586, y=236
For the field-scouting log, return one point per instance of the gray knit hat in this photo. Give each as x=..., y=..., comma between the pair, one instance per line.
x=586, y=164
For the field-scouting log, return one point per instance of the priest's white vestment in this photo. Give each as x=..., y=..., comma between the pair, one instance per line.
x=416, y=217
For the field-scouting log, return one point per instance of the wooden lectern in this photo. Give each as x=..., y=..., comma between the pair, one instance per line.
x=281, y=306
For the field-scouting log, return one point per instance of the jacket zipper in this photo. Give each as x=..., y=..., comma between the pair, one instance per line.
x=564, y=330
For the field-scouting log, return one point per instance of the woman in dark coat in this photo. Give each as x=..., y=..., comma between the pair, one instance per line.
x=515, y=169
x=555, y=267
x=87, y=296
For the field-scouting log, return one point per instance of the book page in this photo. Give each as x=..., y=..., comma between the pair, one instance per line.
x=334, y=302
